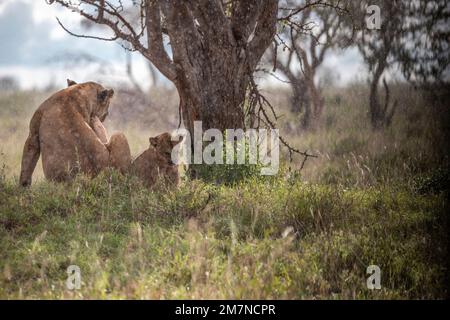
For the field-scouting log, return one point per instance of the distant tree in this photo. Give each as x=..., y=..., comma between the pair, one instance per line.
x=377, y=47
x=9, y=83
x=307, y=39
x=413, y=37
x=424, y=55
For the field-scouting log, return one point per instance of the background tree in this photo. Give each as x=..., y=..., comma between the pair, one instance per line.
x=8, y=83
x=413, y=37
x=378, y=48
x=424, y=54
x=308, y=37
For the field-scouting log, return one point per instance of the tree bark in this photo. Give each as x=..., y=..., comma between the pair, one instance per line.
x=380, y=116
x=309, y=71
x=300, y=100
x=212, y=64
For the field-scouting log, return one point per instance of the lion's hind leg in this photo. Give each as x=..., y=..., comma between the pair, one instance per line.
x=119, y=152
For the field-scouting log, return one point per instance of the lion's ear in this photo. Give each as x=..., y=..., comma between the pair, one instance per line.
x=70, y=82
x=101, y=96
x=154, y=141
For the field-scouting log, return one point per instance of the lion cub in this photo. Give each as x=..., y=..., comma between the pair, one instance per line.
x=156, y=162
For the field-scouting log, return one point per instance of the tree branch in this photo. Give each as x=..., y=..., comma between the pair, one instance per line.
x=112, y=17
x=212, y=21
x=156, y=52
x=265, y=31
x=85, y=36
x=243, y=18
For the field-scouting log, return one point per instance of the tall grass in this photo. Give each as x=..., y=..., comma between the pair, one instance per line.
x=256, y=240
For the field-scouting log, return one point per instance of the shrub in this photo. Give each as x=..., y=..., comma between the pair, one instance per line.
x=228, y=174
x=434, y=182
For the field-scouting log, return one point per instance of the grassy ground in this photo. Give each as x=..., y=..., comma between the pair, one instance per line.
x=370, y=199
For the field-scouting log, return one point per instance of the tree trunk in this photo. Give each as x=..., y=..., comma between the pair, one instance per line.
x=300, y=97
x=380, y=115
x=300, y=100
x=301, y=103
x=307, y=115
x=316, y=101
x=214, y=94
x=376, y=115
x=211, y=63
x=374, y=106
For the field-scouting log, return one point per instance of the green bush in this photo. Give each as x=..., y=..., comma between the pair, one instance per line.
x=228, y=174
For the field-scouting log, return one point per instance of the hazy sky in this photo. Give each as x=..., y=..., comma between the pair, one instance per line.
x=36, y=51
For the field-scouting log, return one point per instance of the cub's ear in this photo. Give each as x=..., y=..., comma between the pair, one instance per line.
x=70, y=83
x=175, y=142
x=154, y=141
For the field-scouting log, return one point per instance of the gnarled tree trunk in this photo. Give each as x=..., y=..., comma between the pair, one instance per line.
x=212, y=87
x=213, y=56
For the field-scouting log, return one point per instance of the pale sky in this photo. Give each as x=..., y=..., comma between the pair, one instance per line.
x=38, y=53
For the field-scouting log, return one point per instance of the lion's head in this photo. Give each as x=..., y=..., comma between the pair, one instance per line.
x=103, y=96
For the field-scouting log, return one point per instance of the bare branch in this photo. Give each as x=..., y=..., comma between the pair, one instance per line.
x=259, y=105
x=85, y=36
x=112, y=17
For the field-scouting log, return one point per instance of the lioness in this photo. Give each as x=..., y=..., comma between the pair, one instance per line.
x=156, y=162
x=67, y=130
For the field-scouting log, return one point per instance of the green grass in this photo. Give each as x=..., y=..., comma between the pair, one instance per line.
x=204, y=241
x=370, y=198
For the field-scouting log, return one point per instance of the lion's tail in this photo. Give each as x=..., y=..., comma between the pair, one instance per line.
x=31, y=150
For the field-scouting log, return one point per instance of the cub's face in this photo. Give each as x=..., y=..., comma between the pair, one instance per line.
x=164, y=145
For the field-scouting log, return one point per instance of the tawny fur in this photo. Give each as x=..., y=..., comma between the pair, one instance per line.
x=67, y=130
x=155, y=163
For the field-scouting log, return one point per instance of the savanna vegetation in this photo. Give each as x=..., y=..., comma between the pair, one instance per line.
x=373, y=192
x=370, y=198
